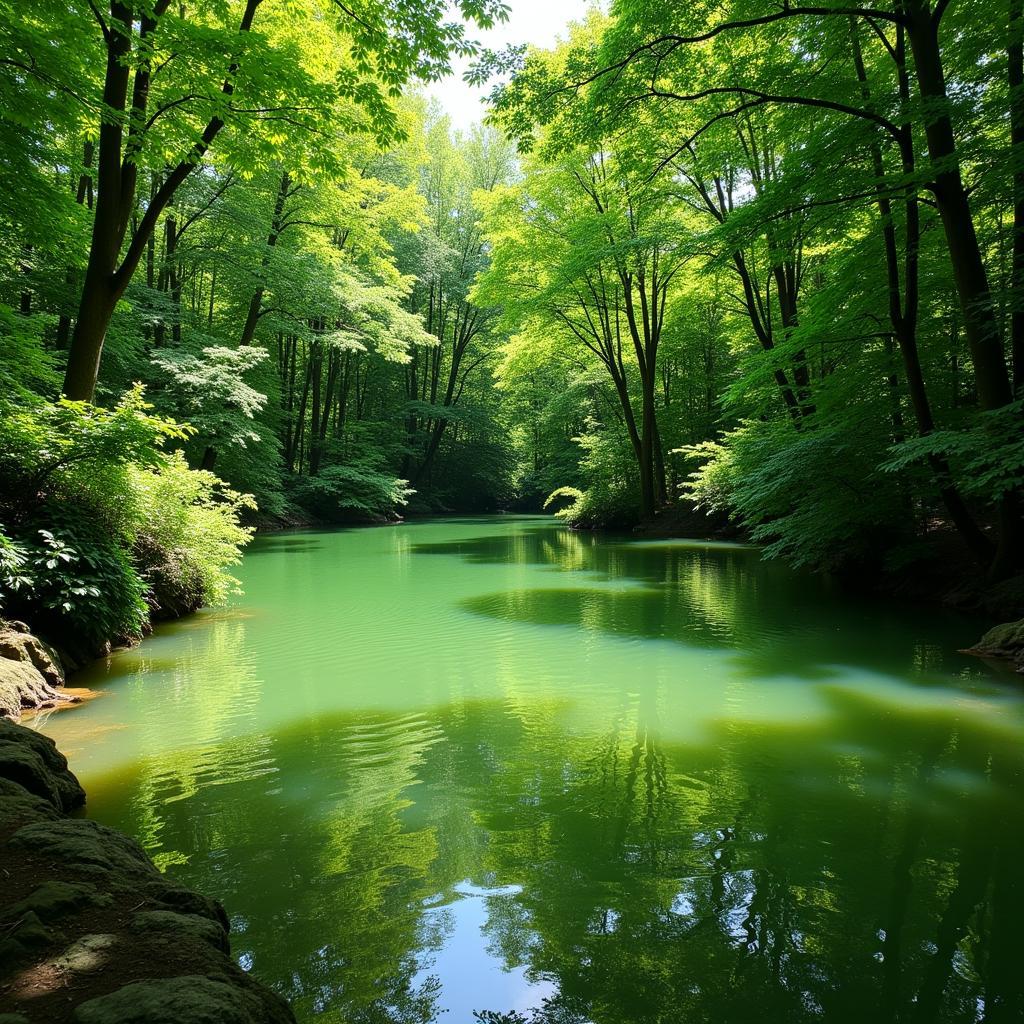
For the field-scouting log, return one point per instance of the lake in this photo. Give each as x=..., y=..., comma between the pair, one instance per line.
x=491, y=764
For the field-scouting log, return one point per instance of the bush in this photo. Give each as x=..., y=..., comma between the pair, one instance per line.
x=611, y=495
x=74, y=582
x=815, y=497
x=359, y=491
x=101, y=529
x=189, y=534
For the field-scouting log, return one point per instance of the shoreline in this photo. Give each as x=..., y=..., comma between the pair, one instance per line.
x=948, y=584
x=90, y=931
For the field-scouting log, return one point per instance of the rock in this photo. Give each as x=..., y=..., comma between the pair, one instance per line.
x=90, y=931
x=53, y=899
x=33, y=762
x=176, y=927
x=17, y=807
x=89, y=953
x=18, y=644
x=1003, y=641
x=30, y=672
x=24, y=934
x=87, y=848
x=193, y=999
x=184, y=901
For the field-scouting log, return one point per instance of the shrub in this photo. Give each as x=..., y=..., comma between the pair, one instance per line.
x=78, y=454
x=101, y=528
x=814, y=497
x=75, y=584
x=610, y=498
x=188, y=534
x=358, y=491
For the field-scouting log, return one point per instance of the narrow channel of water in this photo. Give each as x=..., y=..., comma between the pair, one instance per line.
x=490, y=764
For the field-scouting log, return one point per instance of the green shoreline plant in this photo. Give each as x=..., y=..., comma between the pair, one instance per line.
x=103, y=526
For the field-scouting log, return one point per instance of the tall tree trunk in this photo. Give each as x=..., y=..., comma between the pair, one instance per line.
x=642, y=331
x=980, y=324
x=173, y=279
x=951, y=198
x=316, y=371
x=83, y=196
x=904, y=295
x=1015, y=76
x=252, y=315
x=108, y=273
x=295, y=456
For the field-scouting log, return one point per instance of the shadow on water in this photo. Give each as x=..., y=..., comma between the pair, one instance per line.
x=274, y=544
x=776, y=873
x=715, y=596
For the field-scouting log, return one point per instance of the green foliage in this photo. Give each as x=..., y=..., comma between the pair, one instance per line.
x=78, y=452
x=102, y=527
x=576, y=496
x=208, y=389
x=816, y=304
x=188, y=534
x=359, y=490
x=816, y=498
x=715, y=251
x=989, y=455
x=74, y=583
x=26, y=369
x=610, y=499
x=14, y=575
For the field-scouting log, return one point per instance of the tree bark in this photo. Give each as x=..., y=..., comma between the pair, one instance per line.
x=107, y=272
x=1015, y=77
x=980, y=324
x=903, y=298
x=252, y=315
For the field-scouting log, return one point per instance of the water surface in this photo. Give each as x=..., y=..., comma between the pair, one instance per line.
x=490, y=764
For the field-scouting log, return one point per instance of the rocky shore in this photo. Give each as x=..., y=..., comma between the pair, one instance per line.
x=1004, y=642
x=31, y=674
x=90, y=931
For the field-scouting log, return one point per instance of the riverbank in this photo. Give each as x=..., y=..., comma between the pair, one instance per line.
x=939, y=573
x=90, y=931
x=32, y=675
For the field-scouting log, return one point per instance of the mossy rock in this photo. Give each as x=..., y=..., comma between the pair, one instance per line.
x=32, y=761
x=18, y=807
x=94, y=932
x=1003, y=641
x=86, y=848
x=30, y=672
x=179, y=928
x=185, y=1000
x=53, y=899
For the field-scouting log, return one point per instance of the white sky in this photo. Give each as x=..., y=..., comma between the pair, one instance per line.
x=539, y=22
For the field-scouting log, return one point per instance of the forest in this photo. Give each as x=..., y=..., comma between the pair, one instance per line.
x=759, y=266
x=528, y=566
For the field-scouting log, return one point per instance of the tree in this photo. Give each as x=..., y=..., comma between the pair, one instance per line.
x=773, y=121
x=590, y=250
x=151, y=111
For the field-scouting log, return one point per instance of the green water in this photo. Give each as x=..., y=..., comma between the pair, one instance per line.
x=493, y=765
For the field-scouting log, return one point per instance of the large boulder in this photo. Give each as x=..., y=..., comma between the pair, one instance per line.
x=30, y=672
x=1005, y=641
x=33, y=762
x=196, y=999
x=90, y=931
